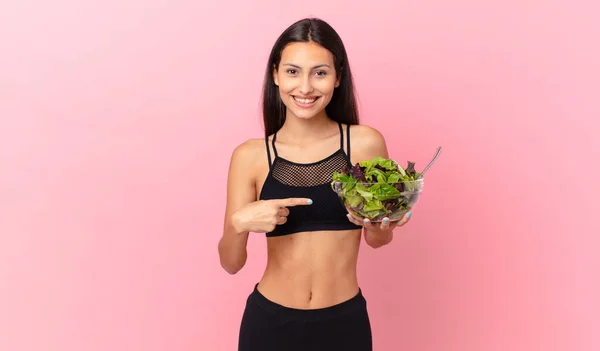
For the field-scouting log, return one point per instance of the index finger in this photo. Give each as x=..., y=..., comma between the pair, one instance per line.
x=294, y=201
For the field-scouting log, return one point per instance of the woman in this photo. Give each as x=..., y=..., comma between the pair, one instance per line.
x=309, y=297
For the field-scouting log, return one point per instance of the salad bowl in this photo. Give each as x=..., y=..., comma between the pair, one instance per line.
x=378, y=188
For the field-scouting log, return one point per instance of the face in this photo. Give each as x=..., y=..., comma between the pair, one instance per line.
x=306, y=78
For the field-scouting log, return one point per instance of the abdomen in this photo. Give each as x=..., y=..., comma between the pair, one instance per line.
x=311, y=269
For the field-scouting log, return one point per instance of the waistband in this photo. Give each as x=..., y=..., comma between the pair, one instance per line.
x=354, y=304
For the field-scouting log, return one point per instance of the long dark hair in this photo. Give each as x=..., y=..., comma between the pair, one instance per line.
x=342, y=107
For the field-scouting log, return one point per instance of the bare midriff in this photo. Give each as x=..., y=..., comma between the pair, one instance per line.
x=311, y=270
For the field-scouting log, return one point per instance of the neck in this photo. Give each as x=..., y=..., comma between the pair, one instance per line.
x=303, y=130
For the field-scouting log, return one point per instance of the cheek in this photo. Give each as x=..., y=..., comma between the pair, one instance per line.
x=325, y=86
x=329, y=90
x=286, y=86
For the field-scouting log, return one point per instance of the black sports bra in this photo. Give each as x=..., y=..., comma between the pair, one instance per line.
x=308, y=180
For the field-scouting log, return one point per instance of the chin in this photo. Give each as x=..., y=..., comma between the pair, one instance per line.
x=303, y=114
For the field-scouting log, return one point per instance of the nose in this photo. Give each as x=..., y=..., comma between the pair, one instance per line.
x=305, y=86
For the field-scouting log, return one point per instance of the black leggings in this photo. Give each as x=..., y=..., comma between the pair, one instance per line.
x=268, y=326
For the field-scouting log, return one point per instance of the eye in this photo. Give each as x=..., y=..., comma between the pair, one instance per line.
x=291, y=71
x=321, y=73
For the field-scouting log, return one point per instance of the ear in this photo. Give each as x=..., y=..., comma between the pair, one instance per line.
x=275, y=78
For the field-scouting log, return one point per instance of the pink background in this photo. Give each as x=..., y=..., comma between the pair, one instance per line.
x=114, y=152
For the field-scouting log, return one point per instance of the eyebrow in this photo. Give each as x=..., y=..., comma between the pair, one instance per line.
x=317, y=66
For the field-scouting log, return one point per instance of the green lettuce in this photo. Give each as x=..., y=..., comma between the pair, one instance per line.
x=376, y=188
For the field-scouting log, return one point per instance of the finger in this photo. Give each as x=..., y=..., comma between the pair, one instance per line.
x=404, y=219
x=283, y=212
x=385, y=223
x=354, y=220
x=367, y=223
x=281, y=219
x=294, y=201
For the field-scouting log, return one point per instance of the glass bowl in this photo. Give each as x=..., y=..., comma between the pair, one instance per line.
x=375, y=201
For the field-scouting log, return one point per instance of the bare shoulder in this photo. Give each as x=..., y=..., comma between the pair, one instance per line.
x=243, y=170
x=366, y=142
x=249, y=150
x=246, y=162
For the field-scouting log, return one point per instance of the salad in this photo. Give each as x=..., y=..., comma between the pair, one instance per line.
x=378, y=188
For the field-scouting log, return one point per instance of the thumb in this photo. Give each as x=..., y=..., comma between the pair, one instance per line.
x=294, y=201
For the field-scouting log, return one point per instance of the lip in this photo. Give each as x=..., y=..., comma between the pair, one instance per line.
x=299, y=104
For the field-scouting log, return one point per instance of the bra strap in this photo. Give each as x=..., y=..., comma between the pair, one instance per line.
x=273, y=143
x=348, y=140
x=268, y=151
x=341, y=136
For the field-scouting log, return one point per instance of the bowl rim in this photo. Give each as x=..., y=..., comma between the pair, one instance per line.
x=422, y=180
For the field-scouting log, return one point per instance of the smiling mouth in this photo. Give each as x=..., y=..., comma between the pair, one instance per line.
x=306, y=101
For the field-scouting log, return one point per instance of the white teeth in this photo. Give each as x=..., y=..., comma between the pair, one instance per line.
x=305, y=101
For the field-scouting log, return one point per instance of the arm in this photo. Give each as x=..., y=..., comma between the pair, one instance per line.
x=244, y=213
x=240, y=191
x=370, y=143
